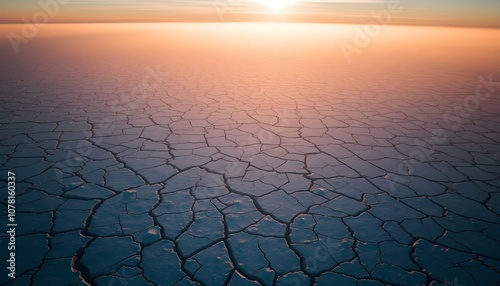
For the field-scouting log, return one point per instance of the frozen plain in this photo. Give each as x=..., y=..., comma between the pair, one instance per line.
x=257, y=155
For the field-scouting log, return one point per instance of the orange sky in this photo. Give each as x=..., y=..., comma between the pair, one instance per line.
x=441, y=12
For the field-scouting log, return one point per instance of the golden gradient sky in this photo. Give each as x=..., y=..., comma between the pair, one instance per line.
x=446, y=12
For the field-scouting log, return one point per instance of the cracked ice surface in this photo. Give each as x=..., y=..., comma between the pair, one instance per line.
x=244, y=168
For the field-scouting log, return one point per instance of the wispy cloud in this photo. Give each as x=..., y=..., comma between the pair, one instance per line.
x=466, y=12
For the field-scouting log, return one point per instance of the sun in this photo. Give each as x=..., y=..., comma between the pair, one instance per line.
x=275, y=4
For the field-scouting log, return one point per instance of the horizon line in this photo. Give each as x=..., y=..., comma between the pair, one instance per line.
x=427, y=24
